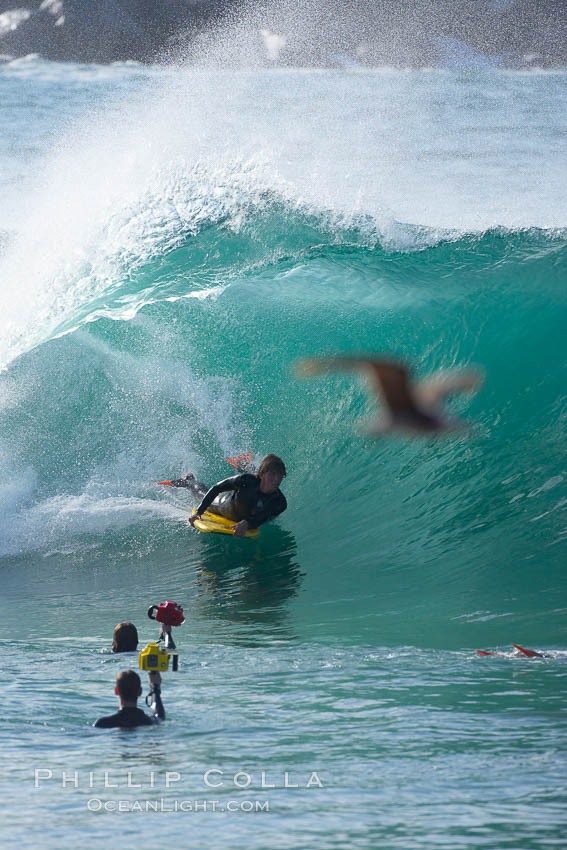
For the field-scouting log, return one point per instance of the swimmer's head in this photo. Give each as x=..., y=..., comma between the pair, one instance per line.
x=125, y=638
x=128, y=686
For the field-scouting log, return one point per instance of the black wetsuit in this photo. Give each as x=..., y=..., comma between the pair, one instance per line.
x=240, y=497
x=127, y=718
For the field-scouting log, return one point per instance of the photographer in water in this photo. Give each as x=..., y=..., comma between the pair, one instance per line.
x=125, y=638
x=128, y=689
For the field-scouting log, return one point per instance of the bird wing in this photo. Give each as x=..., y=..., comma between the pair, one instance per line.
x=389, y=379
x=436, y=390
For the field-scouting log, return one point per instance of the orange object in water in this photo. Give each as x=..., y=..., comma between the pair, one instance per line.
x=234, y=461
x=529, y=652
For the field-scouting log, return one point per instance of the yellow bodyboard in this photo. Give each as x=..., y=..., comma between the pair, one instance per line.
x=219, y=524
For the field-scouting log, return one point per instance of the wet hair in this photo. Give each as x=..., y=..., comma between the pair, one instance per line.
x=272, y=463
x=125, y=638
x=128, y=685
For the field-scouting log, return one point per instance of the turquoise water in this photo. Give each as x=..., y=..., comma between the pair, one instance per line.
x=171, y=241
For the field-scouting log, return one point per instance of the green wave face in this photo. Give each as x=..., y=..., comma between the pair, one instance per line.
x=184, y=247
x=188, y=358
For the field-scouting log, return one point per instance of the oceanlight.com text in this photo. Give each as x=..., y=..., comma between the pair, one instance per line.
x=162, y=805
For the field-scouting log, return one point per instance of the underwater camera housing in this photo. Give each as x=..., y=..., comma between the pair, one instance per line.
x=155, y=659
x=170, y=614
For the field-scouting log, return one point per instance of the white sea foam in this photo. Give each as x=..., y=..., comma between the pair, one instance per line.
x=58, y=520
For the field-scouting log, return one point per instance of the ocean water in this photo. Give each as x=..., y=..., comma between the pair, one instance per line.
x=171, y=240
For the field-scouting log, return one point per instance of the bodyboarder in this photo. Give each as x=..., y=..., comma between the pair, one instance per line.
x=249, y=499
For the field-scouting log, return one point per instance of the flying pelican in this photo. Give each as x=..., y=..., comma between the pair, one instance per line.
x=414, y=407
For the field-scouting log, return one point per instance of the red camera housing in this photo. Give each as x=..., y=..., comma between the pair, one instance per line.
x=168, y=612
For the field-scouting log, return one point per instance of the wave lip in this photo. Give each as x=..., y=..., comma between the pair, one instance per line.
x=169, y=243
x=167, y=157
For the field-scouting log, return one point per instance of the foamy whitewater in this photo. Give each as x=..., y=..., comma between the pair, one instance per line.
x=171, y=240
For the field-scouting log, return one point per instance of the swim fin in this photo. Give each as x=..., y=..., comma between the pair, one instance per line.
x=242, y=462
x=529, y=652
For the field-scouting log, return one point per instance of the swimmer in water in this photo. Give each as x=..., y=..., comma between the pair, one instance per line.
x=128, y=689
x=125, y=638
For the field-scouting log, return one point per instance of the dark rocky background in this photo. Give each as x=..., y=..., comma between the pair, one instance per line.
x=477, y=33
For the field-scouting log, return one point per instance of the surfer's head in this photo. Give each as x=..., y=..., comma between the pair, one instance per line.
x=125, y=638
x=128, y=686
x=272, y=463
x=271, y=472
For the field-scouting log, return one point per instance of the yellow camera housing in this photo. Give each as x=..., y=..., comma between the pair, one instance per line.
x=153, y=657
